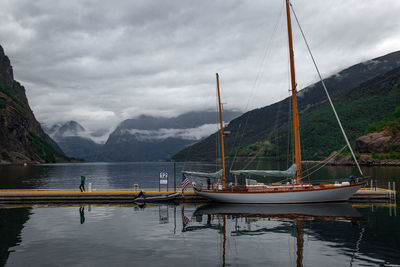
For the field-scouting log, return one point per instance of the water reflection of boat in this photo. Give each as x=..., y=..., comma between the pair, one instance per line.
x=297, y=213
x=333, y=211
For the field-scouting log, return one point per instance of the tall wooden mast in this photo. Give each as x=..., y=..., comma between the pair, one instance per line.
x=222, y=133
x=296, y=128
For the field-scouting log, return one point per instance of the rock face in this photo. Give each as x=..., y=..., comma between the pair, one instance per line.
x=21, y=137
x=378, y=142
x=74, y=140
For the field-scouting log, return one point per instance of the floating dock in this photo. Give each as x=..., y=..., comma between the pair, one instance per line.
x=375, y=194
x=94, y=196
x=128, y=195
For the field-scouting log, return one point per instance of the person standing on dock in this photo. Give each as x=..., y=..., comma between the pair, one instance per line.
x=82, y=186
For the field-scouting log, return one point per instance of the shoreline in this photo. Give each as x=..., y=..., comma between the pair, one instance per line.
x=363, y=160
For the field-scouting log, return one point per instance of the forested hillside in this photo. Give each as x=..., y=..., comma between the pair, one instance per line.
x=363, y=94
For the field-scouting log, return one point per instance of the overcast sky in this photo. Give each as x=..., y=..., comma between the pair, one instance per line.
x=100, y=62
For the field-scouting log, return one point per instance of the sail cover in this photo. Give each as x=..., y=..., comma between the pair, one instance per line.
x=217, y=174
x=289, y=172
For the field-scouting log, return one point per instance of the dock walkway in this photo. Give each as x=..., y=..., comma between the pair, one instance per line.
x=75, y=195
x=128, y=195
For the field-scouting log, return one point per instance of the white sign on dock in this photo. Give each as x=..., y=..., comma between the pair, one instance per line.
x=163, y=178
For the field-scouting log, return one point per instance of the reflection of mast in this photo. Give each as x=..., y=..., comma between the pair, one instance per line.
x=300, y=243
x=224, y=243
x=222, y=133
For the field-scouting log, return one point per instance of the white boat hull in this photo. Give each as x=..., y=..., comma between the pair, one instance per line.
x=340, y=193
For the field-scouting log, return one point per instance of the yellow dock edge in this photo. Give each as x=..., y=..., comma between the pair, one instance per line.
x=377, y=190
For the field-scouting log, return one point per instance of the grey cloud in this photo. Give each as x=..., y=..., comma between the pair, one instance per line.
x=99, y=62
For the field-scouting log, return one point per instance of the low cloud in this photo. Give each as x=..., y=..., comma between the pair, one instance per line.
x=194, y=134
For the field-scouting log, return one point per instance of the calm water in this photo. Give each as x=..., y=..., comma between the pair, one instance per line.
x=112, y=235
x=125, y=175
x=211, y=235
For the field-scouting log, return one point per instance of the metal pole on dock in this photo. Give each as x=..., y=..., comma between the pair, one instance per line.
x=174, y=176
x=372, y=184
x=390, y=192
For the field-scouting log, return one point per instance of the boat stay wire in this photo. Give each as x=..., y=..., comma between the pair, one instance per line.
x=241, y=128
x=326, y=91
x=324, y=163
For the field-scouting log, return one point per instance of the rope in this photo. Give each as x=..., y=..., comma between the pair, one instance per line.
x=324, y=164
x=326, y=91
x=240, y=132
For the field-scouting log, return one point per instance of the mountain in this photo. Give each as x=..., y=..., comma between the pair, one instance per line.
x=21, y=136
x=363, y=93
x=73, y=139
x=149, y=138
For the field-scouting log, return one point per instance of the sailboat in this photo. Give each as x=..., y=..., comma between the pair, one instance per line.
x=295, y=190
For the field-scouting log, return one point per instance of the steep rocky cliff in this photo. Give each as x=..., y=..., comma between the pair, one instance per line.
x=21, y=137
x=379, y=142
x=379, y=146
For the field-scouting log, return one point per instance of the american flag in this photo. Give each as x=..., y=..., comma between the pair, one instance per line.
x=185, y=182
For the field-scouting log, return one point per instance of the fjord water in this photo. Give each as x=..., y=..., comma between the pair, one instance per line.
x=162, y=235
x=146, y=174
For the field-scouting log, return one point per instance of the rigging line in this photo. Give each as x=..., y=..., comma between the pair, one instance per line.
x=333, y=155
x=327, y=94
x=269, y=137
x=323, y=165
x=328, y=158
x=267, y=51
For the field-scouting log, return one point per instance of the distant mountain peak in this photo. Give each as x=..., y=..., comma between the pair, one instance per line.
x=66, y=129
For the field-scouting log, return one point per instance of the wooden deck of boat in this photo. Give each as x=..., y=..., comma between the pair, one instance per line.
x=128, y=195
